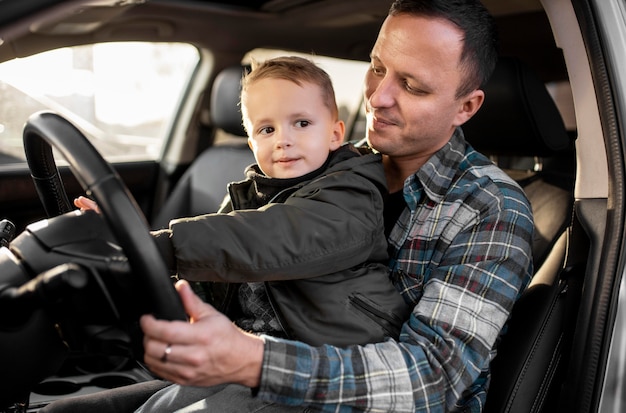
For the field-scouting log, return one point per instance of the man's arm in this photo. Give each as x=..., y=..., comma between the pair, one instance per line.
x=462, y=260
x=443, y=349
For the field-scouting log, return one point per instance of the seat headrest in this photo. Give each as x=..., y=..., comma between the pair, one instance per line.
x=518, y=116
x=225, y=110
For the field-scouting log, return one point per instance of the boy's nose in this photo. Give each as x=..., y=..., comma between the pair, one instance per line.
x=283, y=139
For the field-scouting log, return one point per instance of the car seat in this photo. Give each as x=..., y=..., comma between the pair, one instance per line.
x=520, y=127
x=202, y=187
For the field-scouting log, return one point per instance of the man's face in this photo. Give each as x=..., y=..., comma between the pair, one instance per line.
x=410, y=89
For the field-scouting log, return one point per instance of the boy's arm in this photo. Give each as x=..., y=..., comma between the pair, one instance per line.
x=331, y=226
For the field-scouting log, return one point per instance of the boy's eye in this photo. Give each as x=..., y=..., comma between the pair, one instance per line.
x=303, y=123
x=266, y=130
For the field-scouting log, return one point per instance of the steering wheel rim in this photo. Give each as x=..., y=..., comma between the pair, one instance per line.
x=45, y=130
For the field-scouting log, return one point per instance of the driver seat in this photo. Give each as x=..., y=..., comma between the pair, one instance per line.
x=521, y=129
x=202, y=187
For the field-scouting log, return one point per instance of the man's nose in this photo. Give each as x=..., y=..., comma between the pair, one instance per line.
x=381, y=93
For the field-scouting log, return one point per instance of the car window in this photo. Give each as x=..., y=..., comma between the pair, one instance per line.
x=123, y=96
x=347, y=77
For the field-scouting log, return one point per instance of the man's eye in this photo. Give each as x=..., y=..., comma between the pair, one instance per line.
x=377, y=70
x=413, y=90
x=303, y=123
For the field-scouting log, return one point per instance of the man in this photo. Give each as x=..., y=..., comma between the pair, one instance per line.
x=460, y=246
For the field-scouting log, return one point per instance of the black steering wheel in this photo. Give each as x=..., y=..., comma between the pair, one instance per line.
x=98, y=179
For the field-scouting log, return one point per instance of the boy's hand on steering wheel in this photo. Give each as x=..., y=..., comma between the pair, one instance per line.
x=86, y=204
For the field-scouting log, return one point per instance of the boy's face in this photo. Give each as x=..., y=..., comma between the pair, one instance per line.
x=291, y=131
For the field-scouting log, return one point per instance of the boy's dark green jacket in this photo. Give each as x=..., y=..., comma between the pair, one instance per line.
x=318, y=245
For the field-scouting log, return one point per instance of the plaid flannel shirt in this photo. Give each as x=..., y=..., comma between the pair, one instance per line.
x=461, y=254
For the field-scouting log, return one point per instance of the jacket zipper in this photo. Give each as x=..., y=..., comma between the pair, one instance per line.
x=387, y=321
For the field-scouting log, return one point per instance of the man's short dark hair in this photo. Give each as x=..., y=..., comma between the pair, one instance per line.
x=480, y=51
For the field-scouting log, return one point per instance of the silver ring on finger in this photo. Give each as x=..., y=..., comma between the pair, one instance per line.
x=166, y=353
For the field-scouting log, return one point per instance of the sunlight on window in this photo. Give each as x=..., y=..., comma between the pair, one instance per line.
x=133, y=82
x=123, y=96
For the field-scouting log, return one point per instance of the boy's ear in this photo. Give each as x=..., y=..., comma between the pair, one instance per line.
x=250, y=143
x=469, y=106
x=339, y=131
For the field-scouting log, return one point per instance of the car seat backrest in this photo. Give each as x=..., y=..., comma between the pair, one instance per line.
x=518, y=116
x=520, y=127
x=225, y=95
x=202, y=187
x=520, y=122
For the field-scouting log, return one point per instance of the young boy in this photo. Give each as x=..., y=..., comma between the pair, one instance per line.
x=307, y=195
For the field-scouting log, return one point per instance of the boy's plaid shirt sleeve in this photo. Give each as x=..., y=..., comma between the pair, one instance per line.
x=461, y=253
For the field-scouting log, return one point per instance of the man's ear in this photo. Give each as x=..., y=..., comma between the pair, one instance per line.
x=469, y=106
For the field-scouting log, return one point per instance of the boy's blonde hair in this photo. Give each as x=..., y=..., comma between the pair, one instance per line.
x=294, y=69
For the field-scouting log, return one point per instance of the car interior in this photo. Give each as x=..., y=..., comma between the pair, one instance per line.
x=532, y=133
x=527, y=126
